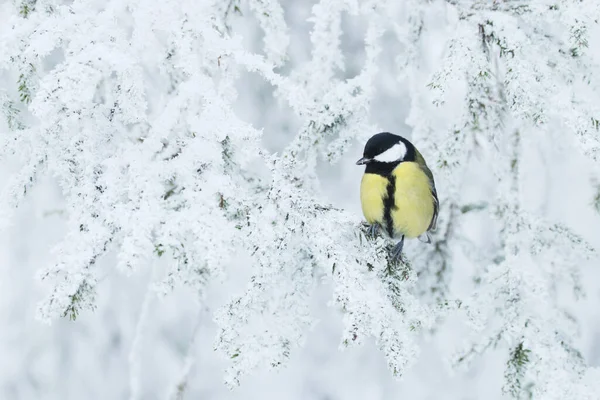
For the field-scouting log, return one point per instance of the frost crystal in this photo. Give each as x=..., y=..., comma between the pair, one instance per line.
x=130, y=106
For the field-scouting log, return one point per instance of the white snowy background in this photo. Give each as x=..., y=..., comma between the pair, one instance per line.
x=137, y=344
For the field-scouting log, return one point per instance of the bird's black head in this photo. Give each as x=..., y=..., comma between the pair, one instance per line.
x=384, y=151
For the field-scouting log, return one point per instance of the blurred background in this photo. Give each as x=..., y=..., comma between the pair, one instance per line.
x=138, y=339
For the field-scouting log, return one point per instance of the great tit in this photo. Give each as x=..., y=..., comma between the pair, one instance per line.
x=397, y=191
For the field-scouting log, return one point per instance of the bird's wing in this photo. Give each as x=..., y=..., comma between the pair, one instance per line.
x=436, y=205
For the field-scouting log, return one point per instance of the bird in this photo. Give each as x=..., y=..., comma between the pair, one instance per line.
x=397, y=190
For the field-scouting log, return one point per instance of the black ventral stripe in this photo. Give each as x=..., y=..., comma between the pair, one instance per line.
x=389, y=203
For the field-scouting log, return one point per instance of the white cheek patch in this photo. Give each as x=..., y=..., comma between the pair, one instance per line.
x=394, y=153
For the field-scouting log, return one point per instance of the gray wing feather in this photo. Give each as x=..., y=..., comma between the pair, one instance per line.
x=436, y=204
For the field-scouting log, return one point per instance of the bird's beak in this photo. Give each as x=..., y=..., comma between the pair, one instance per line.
x=363, y=160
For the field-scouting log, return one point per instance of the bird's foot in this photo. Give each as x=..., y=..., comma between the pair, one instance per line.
x=373, y=230
x=397, y=251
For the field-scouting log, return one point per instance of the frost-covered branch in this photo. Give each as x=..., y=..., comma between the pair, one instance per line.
x=135, y=121
x=130, y=106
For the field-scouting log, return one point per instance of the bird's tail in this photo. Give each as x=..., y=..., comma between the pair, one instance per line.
x=425, y=237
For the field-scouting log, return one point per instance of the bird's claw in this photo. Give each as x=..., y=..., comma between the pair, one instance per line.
x=397, y=251
x=373, y=230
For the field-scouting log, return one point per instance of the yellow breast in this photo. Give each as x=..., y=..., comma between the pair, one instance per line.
x=373, y=189
x=413, y=209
